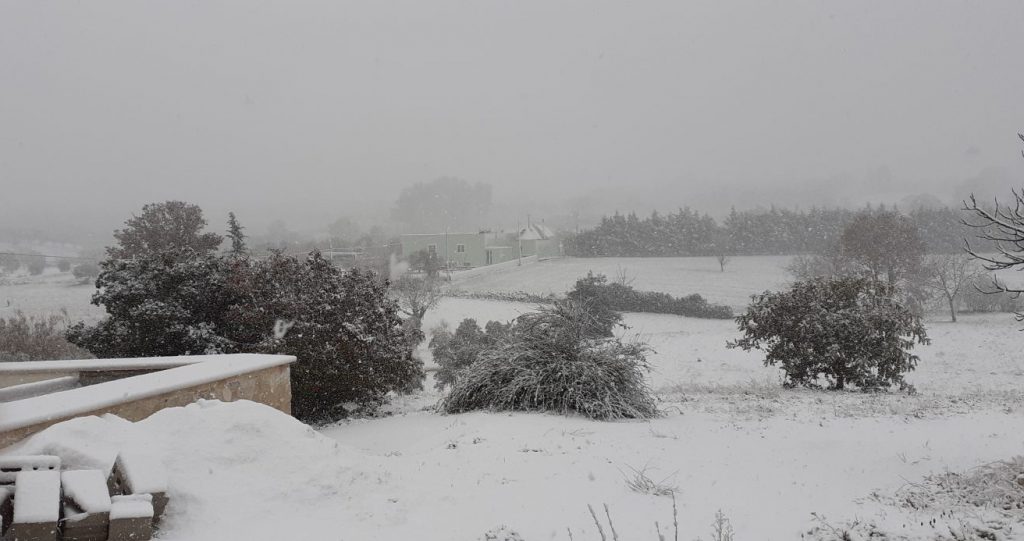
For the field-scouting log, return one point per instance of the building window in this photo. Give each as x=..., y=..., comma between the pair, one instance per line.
x=432, y=249
x=460, y=248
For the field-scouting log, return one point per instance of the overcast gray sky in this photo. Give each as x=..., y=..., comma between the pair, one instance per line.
x=306, y=110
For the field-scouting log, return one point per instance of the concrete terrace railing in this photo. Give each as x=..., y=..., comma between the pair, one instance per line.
x=38, y=394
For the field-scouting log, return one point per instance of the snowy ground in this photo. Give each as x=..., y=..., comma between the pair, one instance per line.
x=48, y=294
x=730, y=439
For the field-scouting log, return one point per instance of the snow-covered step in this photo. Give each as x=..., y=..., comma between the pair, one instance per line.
x=36, y=506
x=86, y=505
x=138, y=473
x=131, y=517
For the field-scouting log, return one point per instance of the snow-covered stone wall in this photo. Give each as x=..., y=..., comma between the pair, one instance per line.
x=163, y=382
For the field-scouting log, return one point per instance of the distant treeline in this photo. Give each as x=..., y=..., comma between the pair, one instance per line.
x=773, y=231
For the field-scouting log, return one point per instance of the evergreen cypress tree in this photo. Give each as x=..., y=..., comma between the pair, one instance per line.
x=237, y=237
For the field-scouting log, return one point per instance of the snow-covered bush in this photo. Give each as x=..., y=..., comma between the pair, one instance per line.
x=63, y=265
x=849, y=331
x=550, y=361
x=610, y=298
x=24, y=338
x=455, y=351
x=345, y=331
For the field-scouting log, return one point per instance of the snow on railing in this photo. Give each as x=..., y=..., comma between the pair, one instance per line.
x=162, y=382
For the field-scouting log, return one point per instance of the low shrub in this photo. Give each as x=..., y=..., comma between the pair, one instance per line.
x=63, y=265
x=454, y=352
x=24, y=338
x=623, y=298
x=845, y=330
x=549, y=360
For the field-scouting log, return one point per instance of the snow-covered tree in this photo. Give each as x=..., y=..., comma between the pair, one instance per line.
x=848, y=331
x=171, y=304
x=235, y=235
x=172, y=226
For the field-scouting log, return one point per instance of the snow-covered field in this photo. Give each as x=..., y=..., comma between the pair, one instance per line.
x=731, y=439
x=743, y=276
x=48, y=294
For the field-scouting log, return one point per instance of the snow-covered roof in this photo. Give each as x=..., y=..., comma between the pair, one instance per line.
x=189, y=371
x=536, y=232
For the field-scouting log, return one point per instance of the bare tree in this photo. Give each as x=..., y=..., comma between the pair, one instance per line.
x=722, y=245
x=623, y=277
x=948, y=275
x=416, y=295
x=1003, y=227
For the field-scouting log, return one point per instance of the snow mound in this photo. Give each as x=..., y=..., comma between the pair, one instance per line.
x=229, y=467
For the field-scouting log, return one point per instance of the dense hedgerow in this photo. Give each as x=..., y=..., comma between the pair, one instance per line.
x=623, y=298
x=849, y=331
x=550, y=361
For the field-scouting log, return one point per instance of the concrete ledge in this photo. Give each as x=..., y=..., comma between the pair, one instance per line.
x=260, y=378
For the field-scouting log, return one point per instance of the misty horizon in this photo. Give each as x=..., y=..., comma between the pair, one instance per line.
x=307, y=114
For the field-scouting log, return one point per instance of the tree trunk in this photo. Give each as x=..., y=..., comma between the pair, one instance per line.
x=840, y=382
x=952, y=308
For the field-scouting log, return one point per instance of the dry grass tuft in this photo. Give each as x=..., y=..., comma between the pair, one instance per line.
x=638, y=481
x=998, y=485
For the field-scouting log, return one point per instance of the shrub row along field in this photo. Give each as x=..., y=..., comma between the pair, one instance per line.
x=623, y=298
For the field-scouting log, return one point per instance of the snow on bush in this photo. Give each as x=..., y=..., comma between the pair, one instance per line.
x=345, y=332
x=849, y=331
x=550, y=360
x=175, y=296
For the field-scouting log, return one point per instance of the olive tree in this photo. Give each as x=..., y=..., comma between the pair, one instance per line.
x=845, y=331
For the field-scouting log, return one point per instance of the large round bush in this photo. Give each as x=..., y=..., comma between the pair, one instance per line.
x=845, y=331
